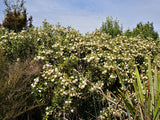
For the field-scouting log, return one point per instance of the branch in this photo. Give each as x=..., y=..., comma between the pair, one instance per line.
x=20, y=113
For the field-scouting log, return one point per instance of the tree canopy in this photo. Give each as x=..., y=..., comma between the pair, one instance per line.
x=111, y=27
x=147, y=30
x=16, y=16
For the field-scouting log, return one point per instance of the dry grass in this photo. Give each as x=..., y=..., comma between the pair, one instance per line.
x=15, y=89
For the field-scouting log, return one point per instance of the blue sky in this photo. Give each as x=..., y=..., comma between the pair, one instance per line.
x=87, y=15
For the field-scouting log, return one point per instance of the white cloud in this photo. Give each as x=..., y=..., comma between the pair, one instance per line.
x=87, y=15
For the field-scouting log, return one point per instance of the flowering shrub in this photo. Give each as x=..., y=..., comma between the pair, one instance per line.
x=19, y=45
x=76, y=67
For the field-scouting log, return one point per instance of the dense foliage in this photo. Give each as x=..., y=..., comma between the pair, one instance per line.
x=147, y=30
x=16, y=16
x=111, y=27
x=79, y=71
x=140, y=101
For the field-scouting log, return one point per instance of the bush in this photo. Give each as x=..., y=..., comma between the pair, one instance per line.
x=75, y=66
x=77, y=70
x=18, y=45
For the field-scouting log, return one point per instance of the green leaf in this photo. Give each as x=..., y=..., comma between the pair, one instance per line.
x=157, y=111
x=141, y=112
x=140, y=91
x=151, y=84
x=155, y=83
x=135, y=88
x=158, y=82
x=127, y=103
x=120, y=79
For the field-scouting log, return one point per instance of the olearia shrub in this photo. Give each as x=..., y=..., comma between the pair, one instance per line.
x=76, y=67
x=21, y=45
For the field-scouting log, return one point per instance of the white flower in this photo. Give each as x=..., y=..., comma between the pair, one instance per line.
x=72, y=94
x=47, y=113
x=45, y=83
x=81, y=86
x=104, y=72
x=91, y=58
x=18, y=59
x=36, y=79
x=39, y=91
x=68, y=102
x=66, y=83
x=64, y=93
x=97, y=59
x=52, y=80
x=72, y=77
x=55, y=76
x=74, y=81
x=33, y=85
x=47, y=108
x=84, y=82
x=56, y=69
x=112, y=76
x=72, y=110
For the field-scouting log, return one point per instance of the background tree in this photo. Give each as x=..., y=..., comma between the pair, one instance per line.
x=111, y=27
x=128, y=33
x=16, y=16
x=147, y=30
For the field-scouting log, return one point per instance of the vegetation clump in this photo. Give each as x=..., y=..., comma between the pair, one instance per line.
x=75, y=75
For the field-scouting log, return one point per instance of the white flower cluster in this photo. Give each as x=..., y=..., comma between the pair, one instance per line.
x=36, y=80
x=82, y=84
x=49, y=111
x=98, y=86
x=39, y=58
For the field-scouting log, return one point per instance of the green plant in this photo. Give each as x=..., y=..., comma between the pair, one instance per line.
x=111, y=27
x=21, y=45
x=78, y=69
x=16, y=16
x=146, y=30
x=138, y=102
x=146, y=102
x=151, y=97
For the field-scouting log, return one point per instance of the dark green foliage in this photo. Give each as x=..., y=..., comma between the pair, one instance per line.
x=128, y=33
x=146, y=30
x=111, y=27
x=16, y=16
